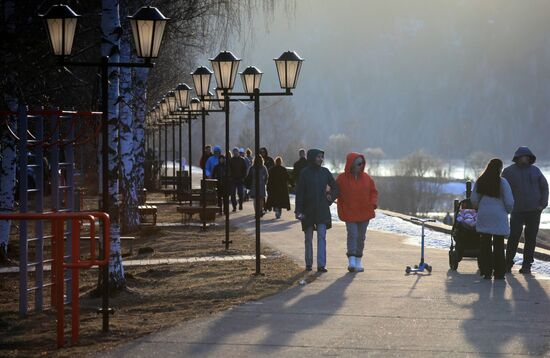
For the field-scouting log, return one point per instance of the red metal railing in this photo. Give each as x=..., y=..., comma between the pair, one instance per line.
x=59, y=265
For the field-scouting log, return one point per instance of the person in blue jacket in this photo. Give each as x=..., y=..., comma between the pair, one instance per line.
x=316, y=192
x=530, y=190
x=212, y=161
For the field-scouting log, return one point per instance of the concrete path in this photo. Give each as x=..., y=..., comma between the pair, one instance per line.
x=381, y=312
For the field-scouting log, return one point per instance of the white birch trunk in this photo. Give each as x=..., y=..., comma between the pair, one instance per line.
x=110, y=46
x=8, y=163
x=128, y=185
x=8, y=158
x=140, y=95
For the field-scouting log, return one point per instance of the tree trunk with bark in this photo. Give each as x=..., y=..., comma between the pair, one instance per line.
x=128, y=187
x=110, y=46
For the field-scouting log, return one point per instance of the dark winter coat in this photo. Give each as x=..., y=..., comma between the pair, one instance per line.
x=311, y=194
x=277, y=188
x=528, y=184
x=219, y=174
x=238, y=168
x=298, y=166
x=269, y=162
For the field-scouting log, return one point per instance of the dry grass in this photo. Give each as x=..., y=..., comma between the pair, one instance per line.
x=157, y=297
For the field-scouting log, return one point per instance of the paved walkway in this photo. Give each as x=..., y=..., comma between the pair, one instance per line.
x=381, y=312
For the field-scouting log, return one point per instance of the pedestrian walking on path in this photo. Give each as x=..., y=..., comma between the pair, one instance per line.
x=219, y=174
x=530, y=190
x=212, y=161
x=207, y=153
x=316, y=192
x=260, y=203
x=249, y=161
x=493, y=198
x=238, y=170
x=300, y=164
x=268, y=161
x=356, y=204
x=277, y=188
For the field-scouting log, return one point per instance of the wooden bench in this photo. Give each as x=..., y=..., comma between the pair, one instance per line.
x=145, y=210
x=206, y=214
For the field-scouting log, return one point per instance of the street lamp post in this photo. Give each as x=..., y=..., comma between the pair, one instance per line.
x=225, y=66
x=201, y=79
x=288, y=69
x=148, y=25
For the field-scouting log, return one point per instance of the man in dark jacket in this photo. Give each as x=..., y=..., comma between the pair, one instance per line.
x=298, y=166
x=317, y=190
x=207, y=153
x=219, y=173
x=238, y=170
x=530, y=190
x=268, y=161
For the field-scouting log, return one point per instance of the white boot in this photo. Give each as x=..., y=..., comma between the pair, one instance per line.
x=358, y=265
x=351, y=263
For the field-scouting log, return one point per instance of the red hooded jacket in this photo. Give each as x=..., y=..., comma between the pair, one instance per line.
x=358, y=196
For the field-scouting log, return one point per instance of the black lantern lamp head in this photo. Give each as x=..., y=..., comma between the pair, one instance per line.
x=251, y=78
x=61, y=24
x=225, y=66
x=195, y=104
x=207, y=103
x=164, y=110
x=288, y=69
x=201, y=80
x=182, y=95
x=171, y=101
x=148, y=25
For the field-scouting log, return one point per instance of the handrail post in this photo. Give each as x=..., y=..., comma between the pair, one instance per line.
x=59, y=278
x=75, y=304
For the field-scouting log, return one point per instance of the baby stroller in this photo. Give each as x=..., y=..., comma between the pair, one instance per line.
x=464, y=237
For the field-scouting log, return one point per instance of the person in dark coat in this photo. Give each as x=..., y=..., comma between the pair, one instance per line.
x=207, y=153
x=277, y=188
x=219, y=174
x=316, y=192
x=238, y=170
x=530, y=190
x=298, y=166
x=264, y=176
x=268, y=161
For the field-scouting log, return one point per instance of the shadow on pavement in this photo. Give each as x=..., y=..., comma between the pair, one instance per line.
x=501, y=312
x=280, y=318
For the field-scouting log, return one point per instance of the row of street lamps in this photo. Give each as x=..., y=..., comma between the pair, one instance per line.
x=148, y=25
x=177, y=103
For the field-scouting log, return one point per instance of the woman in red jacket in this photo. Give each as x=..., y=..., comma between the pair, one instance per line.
x=356, y=204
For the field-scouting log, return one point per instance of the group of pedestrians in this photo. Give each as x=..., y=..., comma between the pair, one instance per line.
x=240, y=167
x=521, y=191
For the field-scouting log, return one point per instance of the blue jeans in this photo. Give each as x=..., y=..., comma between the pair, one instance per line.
x=531, y=221
x=321, y=245
x=356, y=238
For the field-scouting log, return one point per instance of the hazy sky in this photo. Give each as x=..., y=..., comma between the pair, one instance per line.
x=447, y=76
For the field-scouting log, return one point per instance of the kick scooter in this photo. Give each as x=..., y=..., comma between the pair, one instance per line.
x=422, y=265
